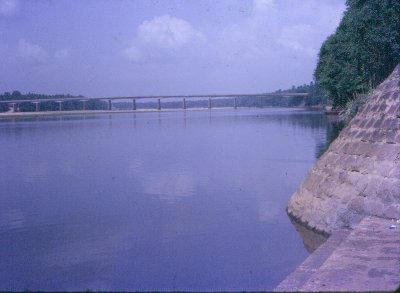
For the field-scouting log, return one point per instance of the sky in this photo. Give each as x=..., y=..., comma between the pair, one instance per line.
x=105, y=48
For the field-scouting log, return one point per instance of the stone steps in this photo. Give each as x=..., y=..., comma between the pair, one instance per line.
x=364, y=259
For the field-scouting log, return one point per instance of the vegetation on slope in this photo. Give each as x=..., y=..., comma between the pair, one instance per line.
x=363, y=51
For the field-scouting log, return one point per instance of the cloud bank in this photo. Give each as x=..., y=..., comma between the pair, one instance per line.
x=9, y=7
x=167, y=47
x=31, y=52
x=162, y=33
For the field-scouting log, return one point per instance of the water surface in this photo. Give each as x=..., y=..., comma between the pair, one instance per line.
x=153, y=201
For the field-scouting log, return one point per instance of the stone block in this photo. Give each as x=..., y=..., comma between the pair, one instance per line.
x=350, y=163
x=398, y=137
x=389, y=190
x=359, y=181
x=363, y=122
x=395, y=97
x=386, y=96
x=362, y=134
x=353, y=132
x=390, y=137
x=382, y=108
x=373, y=186
x=384, y=168
x=364, y=148
x=356, y=122
x=373, y=207
x=394, y=172
x=392, y=212
x=393, y=109
x=312, y=182
x=386, y=152
x=348, y=148
x=378, y=136
x=357, y=204
x=345, y=188
x=375, y=107
x=370, y=123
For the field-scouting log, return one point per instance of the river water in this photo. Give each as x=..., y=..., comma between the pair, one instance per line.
x=153, y=201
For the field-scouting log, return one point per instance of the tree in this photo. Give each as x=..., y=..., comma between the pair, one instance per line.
x=363, y=51
x=16, y=95
x=50, y=105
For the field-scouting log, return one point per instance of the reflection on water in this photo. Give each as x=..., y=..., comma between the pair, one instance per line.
x=12, y=219
x=153, y=201
x=311, y=239
x=334, y=126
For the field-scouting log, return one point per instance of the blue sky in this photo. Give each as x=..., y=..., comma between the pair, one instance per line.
x=123, y=48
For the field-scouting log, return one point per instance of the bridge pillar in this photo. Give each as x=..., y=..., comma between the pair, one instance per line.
x=60, y=105
x=159, y=104
x=184, y=104
x=209, y=103
x=15, y=107
x=235, y=103
x=37, y=106
x=83, y=105
x=109, y=105
x=133, y=104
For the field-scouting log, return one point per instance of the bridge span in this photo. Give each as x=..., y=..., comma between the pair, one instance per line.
x=14, y=103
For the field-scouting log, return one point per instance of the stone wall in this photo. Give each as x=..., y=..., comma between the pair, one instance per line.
x=359, y=174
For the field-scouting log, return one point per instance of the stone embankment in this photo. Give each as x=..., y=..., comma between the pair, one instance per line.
x=353, y=194
x=359, y=175
x=362, y=260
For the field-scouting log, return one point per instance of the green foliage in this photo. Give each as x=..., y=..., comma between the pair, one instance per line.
x=48, y=106
x=4, y=107
x=363, y=51
x=352, y=107
x=316, y=98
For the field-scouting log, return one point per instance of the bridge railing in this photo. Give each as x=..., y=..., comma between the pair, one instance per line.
x=14, y=103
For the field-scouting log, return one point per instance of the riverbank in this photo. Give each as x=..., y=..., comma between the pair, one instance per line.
x=355, y=187
x=364, y=259
x=7, y=115
x=93, y=112
x=359, y=174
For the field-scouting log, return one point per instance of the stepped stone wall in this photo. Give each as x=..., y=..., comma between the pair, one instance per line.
x=359, y=174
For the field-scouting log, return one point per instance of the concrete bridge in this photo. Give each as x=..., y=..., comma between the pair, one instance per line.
x=14, y=103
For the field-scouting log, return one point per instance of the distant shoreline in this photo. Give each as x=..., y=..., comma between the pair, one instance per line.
x=92, y=112
x=7, y=115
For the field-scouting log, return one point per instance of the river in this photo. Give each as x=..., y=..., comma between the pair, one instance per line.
x=153, y=201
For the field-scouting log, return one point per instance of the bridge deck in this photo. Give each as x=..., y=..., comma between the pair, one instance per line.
x=365, y=259
x=6, y=115
x=263, y=95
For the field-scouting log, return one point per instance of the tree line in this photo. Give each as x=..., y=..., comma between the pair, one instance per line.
x=315, y=97
x=50, y=105
x=362, y=52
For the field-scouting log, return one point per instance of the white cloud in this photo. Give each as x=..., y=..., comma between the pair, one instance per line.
x=133, y=53
x=31, y=52
x=299, y=39
x=160, y=38
x=9, y=7
x=253, y=38
x=260, y=6
x=274, y=32
x=168, y=32
x=62, y=54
